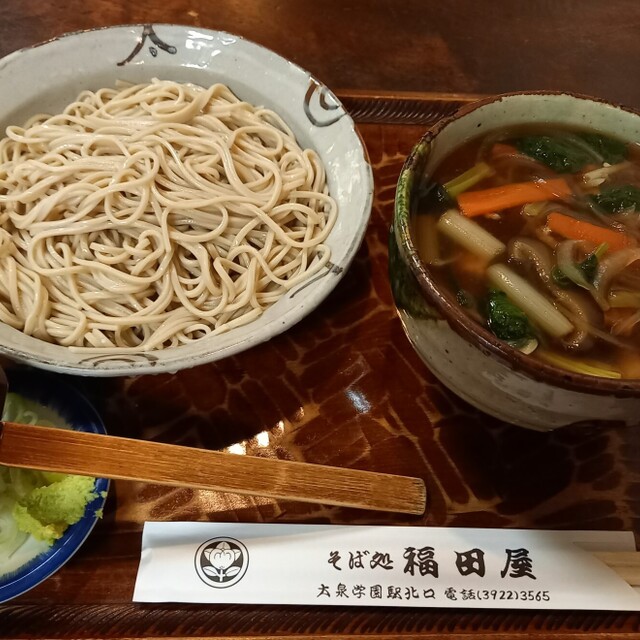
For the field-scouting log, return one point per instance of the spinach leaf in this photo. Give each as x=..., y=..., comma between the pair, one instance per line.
x=556, y=153
x=560, y=278
x=565, y=156
x=464, y=298
x=432, y=196
x=618, y=199
x=506, y=321
x=611, y=150
x=588, y=267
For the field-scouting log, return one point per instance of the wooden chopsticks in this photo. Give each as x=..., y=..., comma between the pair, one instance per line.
x=105, y=456
x=625, y=563
x=128, y=459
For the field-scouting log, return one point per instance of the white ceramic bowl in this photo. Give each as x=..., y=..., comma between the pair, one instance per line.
x=46, y=77
x=465, y=356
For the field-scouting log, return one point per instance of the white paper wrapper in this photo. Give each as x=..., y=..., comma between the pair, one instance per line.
x=381, y=566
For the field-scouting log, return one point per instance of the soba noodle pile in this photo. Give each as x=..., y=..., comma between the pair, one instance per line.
x=150, y=216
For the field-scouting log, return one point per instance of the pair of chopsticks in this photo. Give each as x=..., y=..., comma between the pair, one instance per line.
x=625, y=563
x=104, y=456
x=89, y=454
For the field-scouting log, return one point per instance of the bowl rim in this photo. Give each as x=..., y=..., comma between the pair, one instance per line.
x=147, y=362
x=460, y=322
x=36, y=384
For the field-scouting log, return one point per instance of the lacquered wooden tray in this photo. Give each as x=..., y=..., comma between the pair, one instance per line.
x=345, y=388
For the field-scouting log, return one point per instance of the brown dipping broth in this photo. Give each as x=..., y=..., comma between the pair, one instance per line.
x=464, y=273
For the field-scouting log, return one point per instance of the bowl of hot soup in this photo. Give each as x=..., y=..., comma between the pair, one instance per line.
x=515, y=258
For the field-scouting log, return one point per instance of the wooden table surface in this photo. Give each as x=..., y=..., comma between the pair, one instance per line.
x=293, y=397
x=477, y=46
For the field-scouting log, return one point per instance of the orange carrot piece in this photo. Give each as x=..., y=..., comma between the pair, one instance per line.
x=573, y=229
x=629, y=363
x=472, y=270
x=477, y=203
x=501, y=149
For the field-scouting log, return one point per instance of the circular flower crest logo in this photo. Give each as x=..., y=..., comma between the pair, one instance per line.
x=221, y=562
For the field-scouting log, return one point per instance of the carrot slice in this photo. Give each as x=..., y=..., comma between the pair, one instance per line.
x=501, y=149
x=629, y=363
x=477, y=203
x=573, y=229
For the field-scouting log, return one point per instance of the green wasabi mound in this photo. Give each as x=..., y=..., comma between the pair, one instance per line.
x=41, y=503
x=47, y=511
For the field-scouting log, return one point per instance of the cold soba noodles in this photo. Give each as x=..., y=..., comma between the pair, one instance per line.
x=535, y=233
x=149, y=216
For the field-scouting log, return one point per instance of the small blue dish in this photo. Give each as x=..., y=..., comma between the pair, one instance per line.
x=70, y=404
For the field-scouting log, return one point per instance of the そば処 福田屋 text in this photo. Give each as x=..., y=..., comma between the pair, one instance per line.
x=422, y=561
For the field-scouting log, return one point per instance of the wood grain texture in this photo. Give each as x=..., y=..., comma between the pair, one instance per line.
x=464, y=46
x=625, y=564
x=118, y=621
x=382, y=107
x=118, y=458
x=343, y=387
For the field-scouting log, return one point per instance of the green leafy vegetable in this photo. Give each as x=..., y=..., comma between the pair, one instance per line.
x=618, y=199
x=432, y=196
x=506, y=321
x=464, y=298
x=611, y=150
x=587, y=268
x=556, y=153
x=560, y=278
x=564, y=155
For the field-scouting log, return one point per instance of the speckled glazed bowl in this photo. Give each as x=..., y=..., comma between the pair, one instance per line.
x=466, y=357
x=47, y=77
